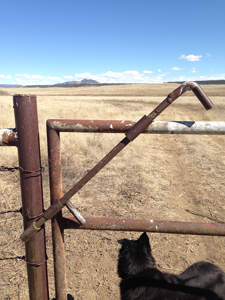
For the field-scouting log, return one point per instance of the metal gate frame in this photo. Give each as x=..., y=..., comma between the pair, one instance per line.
x=26, y=138
x=60, y=223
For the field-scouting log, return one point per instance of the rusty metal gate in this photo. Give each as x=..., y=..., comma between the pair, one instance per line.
x=26, y=138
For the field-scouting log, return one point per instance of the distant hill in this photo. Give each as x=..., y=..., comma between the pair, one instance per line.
x=77, y=83
x=84, y=82
x=202, y=82
x=91, y=82
x=68, y=83
x=10, y=85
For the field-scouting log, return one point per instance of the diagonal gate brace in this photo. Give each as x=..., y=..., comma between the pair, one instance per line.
x=131, y=134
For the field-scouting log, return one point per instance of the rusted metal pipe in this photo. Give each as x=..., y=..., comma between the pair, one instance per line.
x=156, y=226
x=122, y=126
x=145, y=121
x=138, y=128
x=25, y=109
x=55, y=180
x=75, y=213
x=200, y=94
x=8, y=137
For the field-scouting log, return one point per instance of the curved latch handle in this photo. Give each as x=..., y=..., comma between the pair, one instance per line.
x=201, y=95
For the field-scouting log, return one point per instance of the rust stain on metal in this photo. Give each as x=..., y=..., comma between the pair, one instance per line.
x=156, y=226
x=25, y=109
x=55, y=179
x=90, y=125
x=162, y=127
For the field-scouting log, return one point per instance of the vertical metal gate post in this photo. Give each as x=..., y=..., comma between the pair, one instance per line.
x=55, y=179
x=25, y=108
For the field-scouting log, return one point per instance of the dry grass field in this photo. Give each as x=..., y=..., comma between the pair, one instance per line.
x=161, y=177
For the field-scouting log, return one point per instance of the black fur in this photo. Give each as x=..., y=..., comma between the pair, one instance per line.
x=141, y=280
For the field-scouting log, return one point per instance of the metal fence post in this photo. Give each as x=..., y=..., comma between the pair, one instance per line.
x=25, y=109
x=55, y=180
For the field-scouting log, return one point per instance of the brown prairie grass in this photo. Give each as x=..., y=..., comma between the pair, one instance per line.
x=157, y=177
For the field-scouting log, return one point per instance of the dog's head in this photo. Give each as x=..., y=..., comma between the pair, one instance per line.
x=134, y=256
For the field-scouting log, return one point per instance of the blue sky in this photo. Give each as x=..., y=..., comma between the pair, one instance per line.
x=135, y=41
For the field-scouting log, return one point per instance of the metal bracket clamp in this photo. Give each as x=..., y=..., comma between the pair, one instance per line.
x=138, y=128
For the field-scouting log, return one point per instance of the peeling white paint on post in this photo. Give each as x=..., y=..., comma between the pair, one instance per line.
x=189, y=127
x=8, y=137
x=156, y=127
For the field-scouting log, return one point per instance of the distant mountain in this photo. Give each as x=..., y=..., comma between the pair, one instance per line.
x=202, y=82
x=10, y=85
x=77, y=83
x=68, y=83
x=89, y=81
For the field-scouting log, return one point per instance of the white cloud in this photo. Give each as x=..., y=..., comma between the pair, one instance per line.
x=182, y=78
x=198, y=78
x=147, y=72
x=110, y=74
x=164, y=74
x=111, y=77
x=176, y=69
x=191, y=57
x=5, y=76
x=131, y=72
x=129, y=76
x=68, y=77
x=53, y=78
x=37, y=77
x=193, y=70
x=208, y=54
x=28, y=79
x=83, y=75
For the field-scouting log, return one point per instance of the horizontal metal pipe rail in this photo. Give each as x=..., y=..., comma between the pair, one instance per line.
x=9, y=137
x=156, y=127
x=156, y=226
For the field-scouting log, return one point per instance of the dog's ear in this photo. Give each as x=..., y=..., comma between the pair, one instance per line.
x=144, y=240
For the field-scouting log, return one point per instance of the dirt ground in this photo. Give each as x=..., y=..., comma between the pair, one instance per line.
x=159, y=177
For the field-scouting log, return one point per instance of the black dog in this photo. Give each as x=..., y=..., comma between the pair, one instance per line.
x=142, y=281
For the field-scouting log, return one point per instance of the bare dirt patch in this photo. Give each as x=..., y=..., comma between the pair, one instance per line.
x=161, y=177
